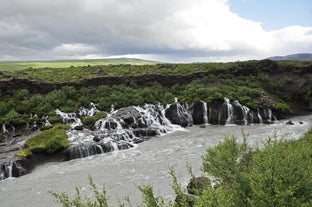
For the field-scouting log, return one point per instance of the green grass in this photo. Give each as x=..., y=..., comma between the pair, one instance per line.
x=75, y=73
x=48, y=141
x=21, y=65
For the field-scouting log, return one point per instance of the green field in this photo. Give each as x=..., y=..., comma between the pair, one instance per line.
x=20, y=65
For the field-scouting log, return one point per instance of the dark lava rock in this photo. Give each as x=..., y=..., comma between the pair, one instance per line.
x=199, y=111
x=145, y=132
x=290, y=122
x=197, y=184
x=96, y=138
x=128, y=114
x=177, y=114
x=217, y=113
x=80, y=127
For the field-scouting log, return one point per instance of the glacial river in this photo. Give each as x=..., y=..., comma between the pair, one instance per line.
x=123, y=171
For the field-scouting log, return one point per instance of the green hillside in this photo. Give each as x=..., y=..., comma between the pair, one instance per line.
x=20, y=65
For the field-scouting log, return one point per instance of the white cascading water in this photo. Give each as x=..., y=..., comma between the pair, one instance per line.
x=112, y=133
x=4, y=130
x=45, y=121
x=112, y=108
x=154, y=116
x=269, y=115
x=245, y=111
x=9, y=168
x=230, y=110
x=205, y=112
x=259, y=116
x=69, y=118
x=88, y=112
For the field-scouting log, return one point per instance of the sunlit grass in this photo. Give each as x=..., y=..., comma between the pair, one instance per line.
x=20, y=65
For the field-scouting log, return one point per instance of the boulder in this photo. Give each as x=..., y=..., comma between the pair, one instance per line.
x=290, y=122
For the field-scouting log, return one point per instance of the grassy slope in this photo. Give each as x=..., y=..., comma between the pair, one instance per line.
x=20, y=65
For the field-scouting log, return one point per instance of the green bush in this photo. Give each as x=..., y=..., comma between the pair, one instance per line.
x=78, y=200
x=89, y=121
x=283, y=106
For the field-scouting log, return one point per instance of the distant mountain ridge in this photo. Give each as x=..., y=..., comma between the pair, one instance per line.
x=296, y=57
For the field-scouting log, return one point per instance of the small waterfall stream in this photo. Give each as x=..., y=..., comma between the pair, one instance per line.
x=69, y=118
x=230, y=111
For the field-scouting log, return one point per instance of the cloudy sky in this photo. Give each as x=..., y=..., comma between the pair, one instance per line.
x=164, y=30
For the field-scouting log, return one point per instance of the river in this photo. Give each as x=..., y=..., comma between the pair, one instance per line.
x=148, y=162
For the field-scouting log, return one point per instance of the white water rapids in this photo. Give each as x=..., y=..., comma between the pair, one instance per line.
x=146, y=163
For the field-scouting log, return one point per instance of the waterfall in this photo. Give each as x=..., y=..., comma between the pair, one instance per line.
x=205, y=112
x=9, y=169
x=121, y=129
x=268, y=115
x=230, y=118
x=100, y=148
x=175, y=99
x=6, y=170
x=112, y=108
x=4, y=130
x=245, y=111
x=45, y=121
x=69, y=118
x=88, y=112
x=114, y=145
x=259, y=116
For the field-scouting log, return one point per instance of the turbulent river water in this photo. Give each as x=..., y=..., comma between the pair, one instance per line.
x=146, y=163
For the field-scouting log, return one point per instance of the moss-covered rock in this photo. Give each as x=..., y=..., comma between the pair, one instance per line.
x=48, y=142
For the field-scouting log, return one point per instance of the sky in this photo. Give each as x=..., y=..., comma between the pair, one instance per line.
x=163, y=30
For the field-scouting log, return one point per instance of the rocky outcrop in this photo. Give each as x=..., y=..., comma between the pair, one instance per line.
x=20, y=166
x=199, y=112
x=178, y=114
x=217, y=113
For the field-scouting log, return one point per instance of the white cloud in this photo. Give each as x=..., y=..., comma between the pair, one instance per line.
x=292, y=39
x=72, y=49
x=171, y=30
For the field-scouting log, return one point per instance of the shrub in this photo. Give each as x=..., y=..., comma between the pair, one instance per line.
x=89, y=121
x=283, y=106
x=78, y=200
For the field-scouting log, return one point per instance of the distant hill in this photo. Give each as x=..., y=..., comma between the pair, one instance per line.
x=20, y=65
x=296, y=57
